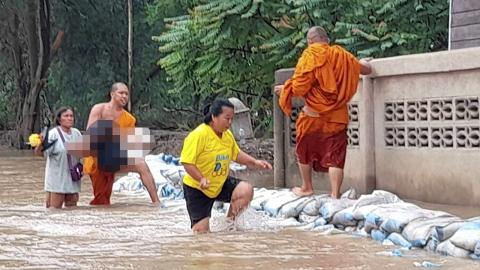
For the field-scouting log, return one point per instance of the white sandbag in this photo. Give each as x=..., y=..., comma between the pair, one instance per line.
x=344, y=217
x=378, y=197
x=321, y=200
x=372, y=221
x=449, y=249
x=380, y=213
x=431, y=245
x=312, y=207
x=387, y=196
x=174, y=175
x=444, y=232
x=260, y=196
x=319, y=221
x=360, y=213
x=272, y=206
x=329, y=209
x=156, y=164
x=402, y=214
x=420, y=231
x=398, y=240
x=476, y=251
x=378, y=235
x=467, y=236
x=128, y=182
x=293, y=208
x=349, y=194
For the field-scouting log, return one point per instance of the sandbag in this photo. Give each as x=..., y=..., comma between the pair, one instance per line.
x=391, y=217
x=329, y=209
x=402, y=214
x=361, y=213
x=420, y=231
x=272, y=205
x=293, y=208
x=378, y=235
x=260, y=196
x=448, y=249
x=377, y=197
x=398, y=240
x=467, y=236
x=174, y=175
x=372, y=221
x=128, y=182
x=444, y=232
x=344, y=217
x=313, y=206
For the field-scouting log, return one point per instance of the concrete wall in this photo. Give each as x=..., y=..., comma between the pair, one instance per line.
x=415, y=130
x=465, y=24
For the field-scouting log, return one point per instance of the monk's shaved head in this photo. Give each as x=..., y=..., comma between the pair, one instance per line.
x=118, y=85
x=317, y=34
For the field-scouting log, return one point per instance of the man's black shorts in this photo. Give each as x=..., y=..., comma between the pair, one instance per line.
x=199, y=205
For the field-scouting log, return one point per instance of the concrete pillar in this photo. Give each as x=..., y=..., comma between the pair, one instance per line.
x=279, y=132
x=367, y=138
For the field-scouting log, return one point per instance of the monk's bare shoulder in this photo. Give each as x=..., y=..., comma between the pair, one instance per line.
x=95, y=113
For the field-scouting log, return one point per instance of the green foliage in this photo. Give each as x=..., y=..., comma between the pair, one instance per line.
x=233, y=47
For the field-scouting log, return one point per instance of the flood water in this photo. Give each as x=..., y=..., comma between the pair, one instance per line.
x=131, y=234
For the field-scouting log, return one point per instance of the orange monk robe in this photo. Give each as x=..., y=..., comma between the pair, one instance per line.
x=102, y=182
x=327, y=78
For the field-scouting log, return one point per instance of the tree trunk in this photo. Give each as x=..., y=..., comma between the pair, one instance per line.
x=130, y=53
x=31, y=76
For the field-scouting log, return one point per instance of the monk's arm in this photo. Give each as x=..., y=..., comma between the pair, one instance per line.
x=302, y=83
x=95, y=114
x=365, y=67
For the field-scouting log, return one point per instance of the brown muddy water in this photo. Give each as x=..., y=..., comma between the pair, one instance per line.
x=131, y=234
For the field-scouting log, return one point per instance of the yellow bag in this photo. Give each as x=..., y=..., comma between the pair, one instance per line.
x=89, y=165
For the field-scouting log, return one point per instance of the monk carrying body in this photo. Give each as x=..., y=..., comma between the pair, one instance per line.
x=326, y=77
x=110, y=158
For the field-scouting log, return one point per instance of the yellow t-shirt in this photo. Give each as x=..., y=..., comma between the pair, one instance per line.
x=211, y=155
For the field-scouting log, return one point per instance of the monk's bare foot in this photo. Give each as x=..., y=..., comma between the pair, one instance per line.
x=300, y=192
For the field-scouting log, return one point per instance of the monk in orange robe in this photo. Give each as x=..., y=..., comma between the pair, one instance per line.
x=102, y=179
x=326, y=77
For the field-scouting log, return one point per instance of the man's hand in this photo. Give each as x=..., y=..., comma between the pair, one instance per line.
x=262, y=164
x=204, y=183
x=365, y=67
x=278, y=89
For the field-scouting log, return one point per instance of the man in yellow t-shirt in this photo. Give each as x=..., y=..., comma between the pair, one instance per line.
x=206, y=155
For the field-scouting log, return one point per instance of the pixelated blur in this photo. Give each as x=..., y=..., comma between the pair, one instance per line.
x=115, y=148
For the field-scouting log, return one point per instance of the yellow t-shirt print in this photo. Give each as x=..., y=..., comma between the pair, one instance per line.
x=211, y=155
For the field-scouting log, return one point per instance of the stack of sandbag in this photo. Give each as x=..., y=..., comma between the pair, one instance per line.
x=381, y=215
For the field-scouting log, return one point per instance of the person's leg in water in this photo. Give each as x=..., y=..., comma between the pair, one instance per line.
x=307, y=187
x=71, y=199
x=146, y=176
x=241, y=197
x=55, y=200
x=102, y=183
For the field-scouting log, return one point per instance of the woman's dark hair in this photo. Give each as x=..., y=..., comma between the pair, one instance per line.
x=59, y=113
x=215, y=109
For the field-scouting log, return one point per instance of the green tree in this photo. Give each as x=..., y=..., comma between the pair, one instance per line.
x=233, y=47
